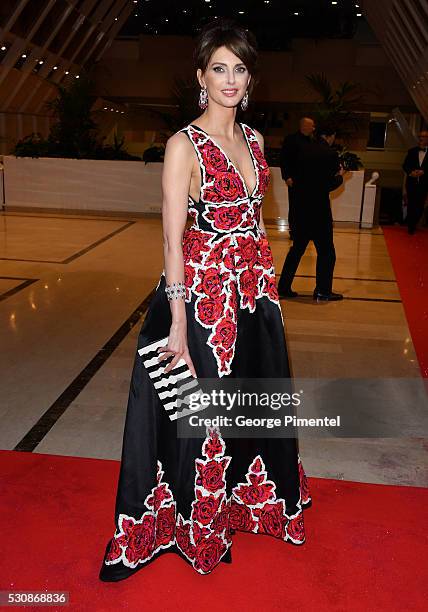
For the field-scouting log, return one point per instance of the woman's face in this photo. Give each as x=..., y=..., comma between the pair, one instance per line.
x=226, y=78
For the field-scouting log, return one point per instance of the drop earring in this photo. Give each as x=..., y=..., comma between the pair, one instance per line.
x=203, y=98
x=244, y=101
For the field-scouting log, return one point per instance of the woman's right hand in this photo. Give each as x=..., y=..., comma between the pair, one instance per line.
x=177, y=346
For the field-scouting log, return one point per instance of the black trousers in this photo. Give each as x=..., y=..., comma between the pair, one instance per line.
x=320, y=231
x=415, y=206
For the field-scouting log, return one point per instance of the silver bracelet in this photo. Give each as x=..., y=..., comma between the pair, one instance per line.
x=176, y=290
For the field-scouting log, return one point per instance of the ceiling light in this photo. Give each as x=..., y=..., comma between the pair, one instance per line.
x=55, y=68
x=334, y=2
x=24, y=55
x=77, y=76
x=105, y=108
x=296, y=13
x=241, y=12
x=66, y=72
x=359, y=14
x=3, y=48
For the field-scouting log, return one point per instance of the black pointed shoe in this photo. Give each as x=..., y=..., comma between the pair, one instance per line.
x=289, y=293
x=327, y=297
x=227, y=557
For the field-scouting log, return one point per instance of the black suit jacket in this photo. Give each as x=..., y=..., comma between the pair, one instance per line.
x=411, y=163
x=293, y=149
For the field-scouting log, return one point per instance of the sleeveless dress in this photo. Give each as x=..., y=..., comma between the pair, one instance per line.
x=183, y=495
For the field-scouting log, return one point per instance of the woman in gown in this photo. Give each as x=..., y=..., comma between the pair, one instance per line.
x=190, y=495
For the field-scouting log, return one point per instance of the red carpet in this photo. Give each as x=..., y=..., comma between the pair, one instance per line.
x=409, y=256
x=366, y=547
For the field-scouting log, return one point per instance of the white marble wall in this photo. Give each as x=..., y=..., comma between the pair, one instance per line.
x=134, y=187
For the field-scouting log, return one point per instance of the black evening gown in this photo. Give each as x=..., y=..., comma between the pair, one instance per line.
x=188, y=495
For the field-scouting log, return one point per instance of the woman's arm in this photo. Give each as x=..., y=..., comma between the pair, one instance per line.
x=177, y=171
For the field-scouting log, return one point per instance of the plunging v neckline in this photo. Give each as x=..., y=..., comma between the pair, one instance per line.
x=235, y=167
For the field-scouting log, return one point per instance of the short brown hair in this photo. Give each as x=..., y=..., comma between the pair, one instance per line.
x=227, y=33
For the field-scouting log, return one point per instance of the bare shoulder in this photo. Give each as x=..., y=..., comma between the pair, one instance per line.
x=178, y=143
x=179, y=151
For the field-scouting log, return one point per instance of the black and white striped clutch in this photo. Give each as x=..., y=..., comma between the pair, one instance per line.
x=175, y=387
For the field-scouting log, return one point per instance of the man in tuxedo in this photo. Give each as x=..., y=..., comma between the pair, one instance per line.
x=290, y=158
x=317, y=173
x=416, y=167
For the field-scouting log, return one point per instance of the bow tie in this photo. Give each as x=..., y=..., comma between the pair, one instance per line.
x=424, y=149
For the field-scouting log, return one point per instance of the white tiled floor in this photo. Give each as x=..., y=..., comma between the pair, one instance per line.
x=54, y=327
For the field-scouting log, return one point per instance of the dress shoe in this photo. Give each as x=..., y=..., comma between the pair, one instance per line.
x=289, y=293
x=227, y=558
x=327, y=297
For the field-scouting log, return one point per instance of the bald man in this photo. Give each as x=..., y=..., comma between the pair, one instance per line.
x=291, y=153
x=416, y=167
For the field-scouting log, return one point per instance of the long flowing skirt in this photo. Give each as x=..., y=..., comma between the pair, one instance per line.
x=189, y=495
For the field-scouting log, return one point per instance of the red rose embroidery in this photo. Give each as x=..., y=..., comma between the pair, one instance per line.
x=182, y=537
x=295, y=528
x=271, y=519
x=265, y=254
x=213, y=445
x=160, y=494
x=216, y=254
x=205, y=508
x=165, y=526
x=141, y=539
x=264, y=180
x=211, y=474
x=211, y=282
x=270, y=288
x=247, y=252
x=208, y=553
x=225, y=331
x=195, y=245
x=189, y=275
x=199, y=532
x=233, y=299
x=114, y=551
x=240, y=517
x=257, y=152
x=255, y=493
x=248, y=283
x=210, y=310
x=227, y=187
x=213, y=159
x=220, y=522
x=226, y=217
x=196, y=137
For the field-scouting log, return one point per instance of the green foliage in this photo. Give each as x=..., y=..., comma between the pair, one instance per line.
x=185, y=94
x=33, y=145
x=337, y=107
x=74, y=133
